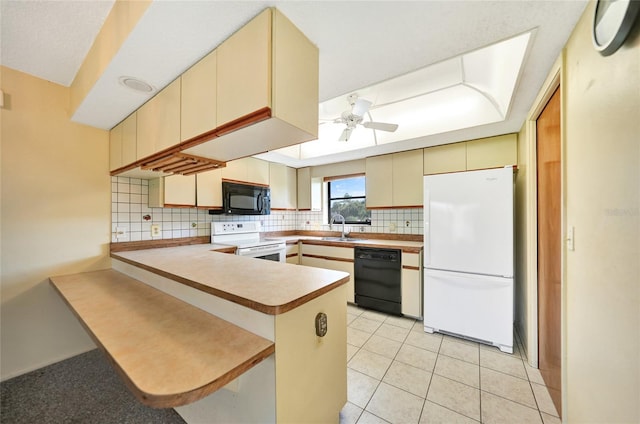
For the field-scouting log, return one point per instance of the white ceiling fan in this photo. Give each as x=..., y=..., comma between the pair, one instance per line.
x=354, y=117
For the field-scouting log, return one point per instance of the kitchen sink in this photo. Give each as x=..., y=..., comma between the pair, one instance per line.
x=338, y=239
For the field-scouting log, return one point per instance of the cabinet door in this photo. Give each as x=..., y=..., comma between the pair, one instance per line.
x=129, y=139
x=159, y=121
x=244, y=77
x=411, y=293
x=293, y=255
x=209, y=189
x=278, y=185
x=292, y=192
x=379, y=186
x=235, y=170
x=447, y=158
x=198, y=98
x=346, y=267
x=295, y=76
x=407, y=179
x=412, y=284
x=493, y=152
x=257, y=171
x=180, y=190
x=115, y=147
x=304, y=189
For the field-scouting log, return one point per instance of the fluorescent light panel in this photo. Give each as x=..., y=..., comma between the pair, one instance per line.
x=473, y=89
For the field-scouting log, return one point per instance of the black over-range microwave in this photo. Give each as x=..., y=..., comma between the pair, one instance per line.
x=245, y=199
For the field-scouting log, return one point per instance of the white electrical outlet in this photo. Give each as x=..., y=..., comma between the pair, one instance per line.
x=155, y=230
x=392, y=227
x=121, y=232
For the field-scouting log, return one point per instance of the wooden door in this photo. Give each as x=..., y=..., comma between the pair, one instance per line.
x=549, y=247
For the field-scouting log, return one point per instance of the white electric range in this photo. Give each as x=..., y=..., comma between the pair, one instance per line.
x=246, y=236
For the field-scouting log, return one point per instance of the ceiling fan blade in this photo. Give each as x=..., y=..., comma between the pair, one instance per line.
x=380, y=126
x=345, y=134
x=360, y=107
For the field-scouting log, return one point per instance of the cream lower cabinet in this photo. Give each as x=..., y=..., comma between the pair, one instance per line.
x=292, y=252
x=172, y=191
x=412, y=284
x=330, y=257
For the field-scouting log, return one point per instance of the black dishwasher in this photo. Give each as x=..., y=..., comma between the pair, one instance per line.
x=377, y=275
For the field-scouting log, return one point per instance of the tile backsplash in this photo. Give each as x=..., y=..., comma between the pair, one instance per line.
x=133, y=218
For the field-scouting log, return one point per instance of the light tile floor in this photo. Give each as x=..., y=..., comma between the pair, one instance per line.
x=397, y=373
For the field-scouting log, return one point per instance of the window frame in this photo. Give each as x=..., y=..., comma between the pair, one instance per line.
x=329, y=180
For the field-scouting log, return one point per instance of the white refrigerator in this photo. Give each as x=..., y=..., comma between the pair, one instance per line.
x=468, y=255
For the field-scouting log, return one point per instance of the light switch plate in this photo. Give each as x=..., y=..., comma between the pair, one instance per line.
x=571, y=238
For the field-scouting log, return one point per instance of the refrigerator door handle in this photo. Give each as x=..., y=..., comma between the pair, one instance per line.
x=427, y=233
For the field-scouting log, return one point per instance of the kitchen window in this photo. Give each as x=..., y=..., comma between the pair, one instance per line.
x=347, y=197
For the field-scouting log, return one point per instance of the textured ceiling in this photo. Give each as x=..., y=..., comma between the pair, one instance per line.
x=360, y=42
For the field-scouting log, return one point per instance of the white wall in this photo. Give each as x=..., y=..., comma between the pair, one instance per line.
x=54, y=220
x=601, y=117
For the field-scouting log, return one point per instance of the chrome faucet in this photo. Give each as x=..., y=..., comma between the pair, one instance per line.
x=333, y=218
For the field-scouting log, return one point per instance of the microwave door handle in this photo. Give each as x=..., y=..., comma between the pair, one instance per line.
x=259, y=205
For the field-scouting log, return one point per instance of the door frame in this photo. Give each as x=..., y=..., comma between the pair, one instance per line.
x=554, y=80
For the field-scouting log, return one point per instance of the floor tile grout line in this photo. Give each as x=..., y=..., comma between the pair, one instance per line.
x=433, y=373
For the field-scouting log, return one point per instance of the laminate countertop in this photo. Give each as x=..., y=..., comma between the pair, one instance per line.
x=266, y=286
x=404, y=245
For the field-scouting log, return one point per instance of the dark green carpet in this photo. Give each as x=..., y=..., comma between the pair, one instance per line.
x=82, y=389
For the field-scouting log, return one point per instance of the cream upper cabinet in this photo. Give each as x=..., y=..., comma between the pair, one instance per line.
x=244, y=62
x=122, y=143
x=257, y=171
x=446, y=158
x=379, y=184
x=198, y=98
x=492, y=152
x=267, y=90
x=407, y=179
x=394, y=180
x=174, y=190
x=309, y=193
x=247, y=170
x=304, y=189
x=159, y=121
x=209, y=189
x=115, y=147
x=282, y=181
x=269, y=63
x=129, y=139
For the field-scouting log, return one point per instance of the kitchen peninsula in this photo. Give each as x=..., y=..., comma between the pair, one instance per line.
x=305, y=379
